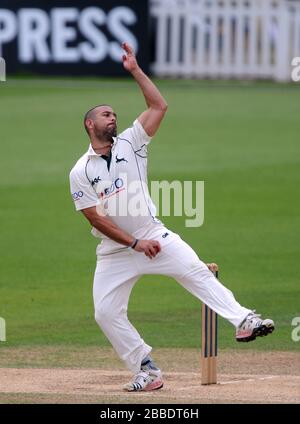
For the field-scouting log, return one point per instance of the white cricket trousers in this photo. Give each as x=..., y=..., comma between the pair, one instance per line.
x=117, y=273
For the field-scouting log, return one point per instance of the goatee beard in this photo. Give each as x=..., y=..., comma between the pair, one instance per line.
x=107, y=134
x=113, y=131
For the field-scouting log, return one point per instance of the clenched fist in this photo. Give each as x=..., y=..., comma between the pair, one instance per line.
x=150, y=247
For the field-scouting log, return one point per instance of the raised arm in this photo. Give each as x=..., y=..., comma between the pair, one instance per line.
x=151, y=118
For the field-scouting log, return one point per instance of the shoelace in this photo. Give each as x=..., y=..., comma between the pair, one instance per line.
x=254, y=315
x=250, y=316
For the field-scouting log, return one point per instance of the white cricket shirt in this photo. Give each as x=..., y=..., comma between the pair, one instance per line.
x=120, y=192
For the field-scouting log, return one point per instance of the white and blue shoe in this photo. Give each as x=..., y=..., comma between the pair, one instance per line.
x=143, y=381
x=253, y=326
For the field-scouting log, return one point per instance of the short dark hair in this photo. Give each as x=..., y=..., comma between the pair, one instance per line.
x=90, y=115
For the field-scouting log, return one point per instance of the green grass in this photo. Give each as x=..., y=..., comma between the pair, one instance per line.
x=241, y=139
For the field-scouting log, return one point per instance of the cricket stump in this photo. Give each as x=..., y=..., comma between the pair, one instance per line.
x=209, y=347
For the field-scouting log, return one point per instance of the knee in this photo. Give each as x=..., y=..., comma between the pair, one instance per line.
x=200, y=272
x=104, y=313
x=101, y=312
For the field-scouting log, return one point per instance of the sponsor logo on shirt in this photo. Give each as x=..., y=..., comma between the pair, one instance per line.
x=96, y=180
x=114, y=188
x=77, y=195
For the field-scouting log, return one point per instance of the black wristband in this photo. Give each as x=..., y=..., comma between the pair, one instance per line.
x=134, y=243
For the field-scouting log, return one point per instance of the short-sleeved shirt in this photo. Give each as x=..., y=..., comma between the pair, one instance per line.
x=119, y=191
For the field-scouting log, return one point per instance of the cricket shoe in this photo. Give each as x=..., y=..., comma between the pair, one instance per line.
x=253, y=326
x=150, y=367
x=143, y=381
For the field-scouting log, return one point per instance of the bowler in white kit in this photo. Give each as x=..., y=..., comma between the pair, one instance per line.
x=109, y=186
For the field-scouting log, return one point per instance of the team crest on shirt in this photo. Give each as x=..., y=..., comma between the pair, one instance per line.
x=121, y=159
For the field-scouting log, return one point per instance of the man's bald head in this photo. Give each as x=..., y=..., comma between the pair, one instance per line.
x=101, y=122
x=91, y=114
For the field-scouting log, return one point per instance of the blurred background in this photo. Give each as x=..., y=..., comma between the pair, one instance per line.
x=225, y=68
x=175, y=38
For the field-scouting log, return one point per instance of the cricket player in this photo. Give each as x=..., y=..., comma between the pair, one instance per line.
x=109, y=186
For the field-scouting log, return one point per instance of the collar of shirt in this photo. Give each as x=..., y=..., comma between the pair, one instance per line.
x=91, y=152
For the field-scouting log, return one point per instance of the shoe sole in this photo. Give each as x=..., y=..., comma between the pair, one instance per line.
x=261, y=331
x=153, y=386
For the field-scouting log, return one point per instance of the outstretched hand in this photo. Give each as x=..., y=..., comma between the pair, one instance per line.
x=129, y=59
